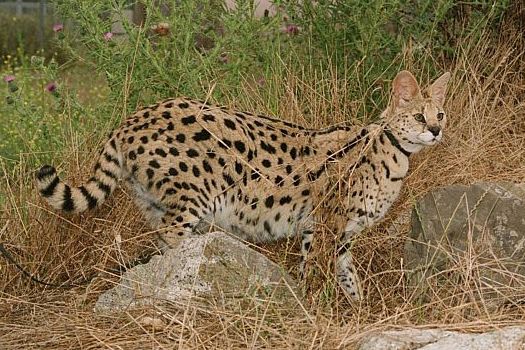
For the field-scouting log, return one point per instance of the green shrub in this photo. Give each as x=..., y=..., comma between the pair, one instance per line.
x=208, y=49
x=39, y=114
x=199, y=50
x=203, y=48
x=377, y=37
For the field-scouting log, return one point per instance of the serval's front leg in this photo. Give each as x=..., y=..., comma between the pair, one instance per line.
x=346, y=272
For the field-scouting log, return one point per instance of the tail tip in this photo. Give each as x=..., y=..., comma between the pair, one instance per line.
x=45, y=172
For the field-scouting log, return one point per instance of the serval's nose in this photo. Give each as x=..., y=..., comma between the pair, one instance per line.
x=435, y=130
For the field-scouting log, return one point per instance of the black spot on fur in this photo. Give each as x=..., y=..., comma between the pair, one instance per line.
x=293, y=152
x=250, y=155
x=207, y=185
x=206, y=166
x=161, y=152
x=285, y=200
x=183, y=166
x=154, y=164
x=268, y=202
x=180, y=138
x=110, y=159
x=228, y=179
x=192, y=153
x=170, y=192
x=238, y=168
x=188, y=120
x=239, y=145
x=268, y=148
x=150, y=173
x=230, y=124
x=267, y=227
x=202, y=135
x=208, y=117
x=225, y=143
x=296, y=180
x=196, y=171
x=307, y=246
x=173, y=151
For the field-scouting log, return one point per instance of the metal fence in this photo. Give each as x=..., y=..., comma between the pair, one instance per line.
x=20, y=7
x=41, y=10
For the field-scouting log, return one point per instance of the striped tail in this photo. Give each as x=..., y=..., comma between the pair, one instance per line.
x=61, y=196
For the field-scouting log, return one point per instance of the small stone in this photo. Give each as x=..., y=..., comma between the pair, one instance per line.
x=509, y=338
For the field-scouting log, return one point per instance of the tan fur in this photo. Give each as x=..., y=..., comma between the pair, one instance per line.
x=193, y=166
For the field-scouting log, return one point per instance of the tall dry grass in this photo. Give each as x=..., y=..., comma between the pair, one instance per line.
x=485, y=140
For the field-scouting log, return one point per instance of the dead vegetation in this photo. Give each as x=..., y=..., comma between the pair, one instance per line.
x=485, y=141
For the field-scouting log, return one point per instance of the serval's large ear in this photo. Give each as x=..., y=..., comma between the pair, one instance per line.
x=438, y=89
x=404, y=89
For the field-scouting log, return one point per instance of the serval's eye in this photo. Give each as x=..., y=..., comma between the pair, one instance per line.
x=420, y=117
x=440, y=115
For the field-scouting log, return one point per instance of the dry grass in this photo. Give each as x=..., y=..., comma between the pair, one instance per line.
x=485, y=140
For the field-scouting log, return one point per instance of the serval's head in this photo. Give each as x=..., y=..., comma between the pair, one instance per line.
x=416, y=120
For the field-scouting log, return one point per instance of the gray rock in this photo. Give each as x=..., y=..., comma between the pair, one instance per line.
x=510, y=338
x=482, y=224
x=214, y=268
